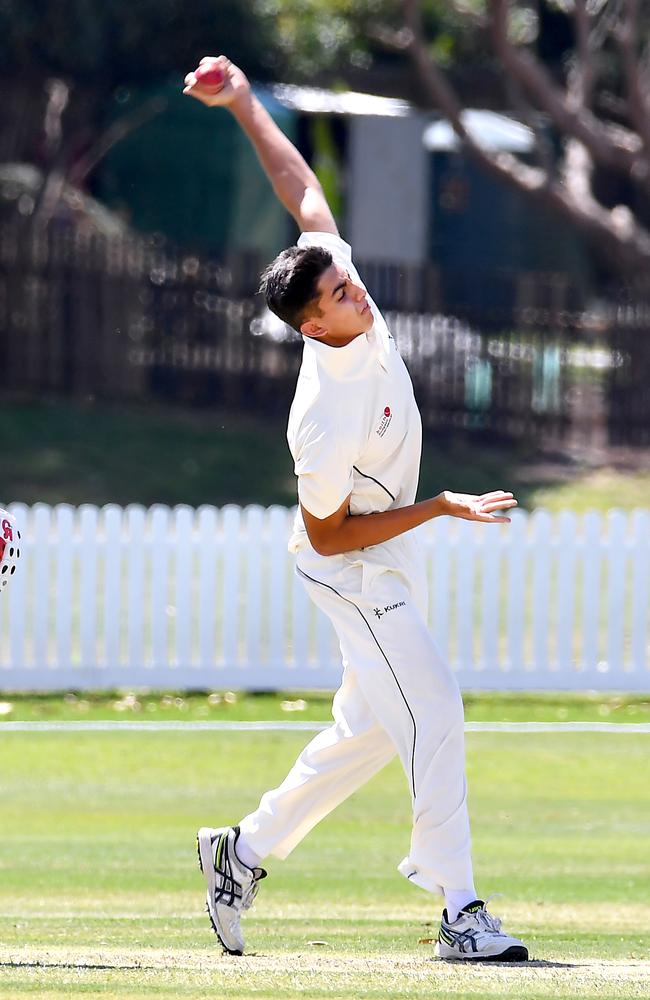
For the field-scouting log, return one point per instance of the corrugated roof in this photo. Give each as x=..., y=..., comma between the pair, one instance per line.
x=489, y=129
x=315, y=100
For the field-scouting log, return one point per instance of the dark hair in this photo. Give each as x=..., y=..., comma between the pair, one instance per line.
x=289, y=283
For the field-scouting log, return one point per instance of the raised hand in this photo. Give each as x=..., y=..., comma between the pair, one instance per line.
x=477, y=508
x=234, y=87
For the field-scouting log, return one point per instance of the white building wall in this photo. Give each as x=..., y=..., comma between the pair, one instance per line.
x=387, y=200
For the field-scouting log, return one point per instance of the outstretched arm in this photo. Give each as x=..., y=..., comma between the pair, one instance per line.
x=295, y=184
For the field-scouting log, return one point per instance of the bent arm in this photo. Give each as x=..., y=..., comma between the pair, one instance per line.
x=344, y=532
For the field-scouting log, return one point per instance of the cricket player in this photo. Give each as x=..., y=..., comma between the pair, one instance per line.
x=355, y=436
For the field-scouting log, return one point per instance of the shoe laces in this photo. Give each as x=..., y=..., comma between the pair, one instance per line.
x=249, y=894
x=489, y=921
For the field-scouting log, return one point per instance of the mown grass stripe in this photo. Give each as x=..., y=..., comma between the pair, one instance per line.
x=115, y=725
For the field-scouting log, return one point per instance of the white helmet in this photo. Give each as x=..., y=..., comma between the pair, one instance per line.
x=9, y=547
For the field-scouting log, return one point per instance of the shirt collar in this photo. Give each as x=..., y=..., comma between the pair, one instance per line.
x=353, y=360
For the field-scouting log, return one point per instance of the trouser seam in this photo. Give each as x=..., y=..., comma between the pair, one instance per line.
x=388, y=663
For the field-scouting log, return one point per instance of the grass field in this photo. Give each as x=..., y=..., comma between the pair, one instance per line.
x=100, y=894
x=60, y=451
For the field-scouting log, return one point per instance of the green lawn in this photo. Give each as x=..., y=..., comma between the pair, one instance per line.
x=100, y=894
x=58, y=451
x=308, y=706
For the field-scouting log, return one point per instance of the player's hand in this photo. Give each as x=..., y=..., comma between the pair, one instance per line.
x=477, y=508
x=234, y=88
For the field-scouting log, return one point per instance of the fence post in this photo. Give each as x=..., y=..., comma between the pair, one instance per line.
x=232, y=547
x=158, y=545
x=616, y=560
x=88, y=548
x=112, y=545
x=591, y=563
x=566, y=566
x=541, y=549
x=278, y=527
x=208, y=549
x=40, y=593
x=137, y=608
x=255, y=544
x=516, y=559
x=490, y=594
x=640, y=597
x=183, y=616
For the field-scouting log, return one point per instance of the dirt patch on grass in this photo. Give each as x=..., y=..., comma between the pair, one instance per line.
x=320, y=972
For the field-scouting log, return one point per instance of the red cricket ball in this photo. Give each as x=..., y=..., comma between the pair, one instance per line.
x=210, y=76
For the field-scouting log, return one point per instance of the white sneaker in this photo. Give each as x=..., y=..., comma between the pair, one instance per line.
x=232, y=886
x=476, y=936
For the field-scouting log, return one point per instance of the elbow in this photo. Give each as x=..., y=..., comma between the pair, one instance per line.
x=324, y=548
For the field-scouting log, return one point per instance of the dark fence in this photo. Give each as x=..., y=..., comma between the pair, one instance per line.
x=510, y=353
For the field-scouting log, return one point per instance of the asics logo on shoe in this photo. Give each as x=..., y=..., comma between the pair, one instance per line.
x=465, y=941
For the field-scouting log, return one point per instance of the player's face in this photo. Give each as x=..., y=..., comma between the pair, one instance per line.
x=345, y=312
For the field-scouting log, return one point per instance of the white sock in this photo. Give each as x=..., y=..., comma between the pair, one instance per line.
x=456, y=899
x=246, y=855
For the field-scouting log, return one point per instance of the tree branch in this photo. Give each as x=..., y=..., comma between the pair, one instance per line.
x=616, y=228
x=53, y=182
x=445, y=98
x=610, y=145
x=582, y=77
x=625, y=35
x=577, y=168
x=543, y=146
x=117, y=131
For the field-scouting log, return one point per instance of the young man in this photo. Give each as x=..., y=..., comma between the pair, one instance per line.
x=355, y=436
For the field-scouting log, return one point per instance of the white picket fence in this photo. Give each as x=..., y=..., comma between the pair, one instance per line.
x=209, y=599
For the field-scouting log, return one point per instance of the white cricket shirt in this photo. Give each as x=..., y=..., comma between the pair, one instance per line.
x=354, y=426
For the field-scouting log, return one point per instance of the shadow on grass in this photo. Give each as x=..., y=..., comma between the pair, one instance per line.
x=534, y=963
x=86, y=966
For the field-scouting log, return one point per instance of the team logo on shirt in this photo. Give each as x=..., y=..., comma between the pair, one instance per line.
x=388, y=607
x=385, y=420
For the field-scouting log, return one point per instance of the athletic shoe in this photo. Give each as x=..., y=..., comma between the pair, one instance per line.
x=232, y=885
x=476, y=936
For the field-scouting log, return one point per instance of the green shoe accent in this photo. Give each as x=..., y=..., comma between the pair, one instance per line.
x=474, y=907
x=222, y=840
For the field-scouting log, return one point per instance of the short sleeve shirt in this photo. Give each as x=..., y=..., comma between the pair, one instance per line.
x=354, y=427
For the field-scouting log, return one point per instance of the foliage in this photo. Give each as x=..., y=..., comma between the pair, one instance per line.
x=111, y=44
x=577, y=68
x=339, y=36
x=108, y=43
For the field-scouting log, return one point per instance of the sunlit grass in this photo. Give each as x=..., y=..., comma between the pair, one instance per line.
x=100, y=894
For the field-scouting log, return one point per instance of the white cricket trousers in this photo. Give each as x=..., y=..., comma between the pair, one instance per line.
x=397, y=696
